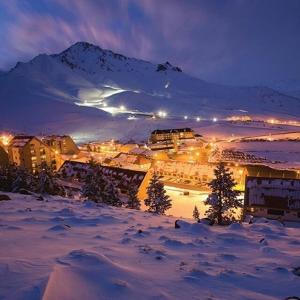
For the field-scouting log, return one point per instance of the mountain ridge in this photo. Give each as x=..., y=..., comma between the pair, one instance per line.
x=85, y=77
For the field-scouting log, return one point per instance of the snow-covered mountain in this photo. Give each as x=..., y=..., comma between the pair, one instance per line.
x=63, y=90
x=289, y=86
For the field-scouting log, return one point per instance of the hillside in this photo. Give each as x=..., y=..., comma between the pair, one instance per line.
x=61, y=249
x=58, y=90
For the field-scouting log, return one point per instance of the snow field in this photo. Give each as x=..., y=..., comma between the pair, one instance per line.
x=62, y=249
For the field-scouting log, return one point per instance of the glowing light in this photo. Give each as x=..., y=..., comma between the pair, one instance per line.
x=198, y=119
x=122, y=107
x=104, y=104
x=215, y=119
x=162, y=114
x=5, y=139
x=131, y=118
x=185, y=117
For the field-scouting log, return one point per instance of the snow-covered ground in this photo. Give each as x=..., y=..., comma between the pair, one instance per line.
x=287, y=153
x=61, y=249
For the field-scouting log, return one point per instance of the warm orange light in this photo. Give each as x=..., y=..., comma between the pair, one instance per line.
x=5, y=139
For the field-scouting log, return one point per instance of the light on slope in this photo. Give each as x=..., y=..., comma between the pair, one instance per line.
x=162, y=114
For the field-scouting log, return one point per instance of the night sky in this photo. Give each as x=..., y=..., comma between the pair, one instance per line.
x=234, y=42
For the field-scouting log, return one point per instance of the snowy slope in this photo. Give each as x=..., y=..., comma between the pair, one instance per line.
x=87, y=75
x=289, y=86
x=70, y=250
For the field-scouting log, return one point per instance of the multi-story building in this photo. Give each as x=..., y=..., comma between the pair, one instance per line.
x=30, y=152
x=73, y=171
x=169, y=135
x=62, y=144
x=3, y=156
x=274, y=198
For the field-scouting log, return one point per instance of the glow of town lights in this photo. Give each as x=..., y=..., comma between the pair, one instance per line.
x=122, y=107
x=215, y=119
x=198, y=119
x=162, y=114
x=185, y=117
x=5, y=139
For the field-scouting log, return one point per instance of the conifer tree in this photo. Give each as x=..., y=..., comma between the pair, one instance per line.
x=94, y=187
x=223, y=199
x=158, y=201
x=111, y=194
x=22, y=180
x=196, y=214
x=133, y=201
x=46, y=183
x=98, y=187
x=7, y=177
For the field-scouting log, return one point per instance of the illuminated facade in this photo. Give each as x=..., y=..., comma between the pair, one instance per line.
x=62, y=144
x=169, y=135
x=275, y=198
x=30, y=152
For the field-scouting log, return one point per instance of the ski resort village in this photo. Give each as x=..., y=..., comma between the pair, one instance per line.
x=183, y=160
x=149, y=150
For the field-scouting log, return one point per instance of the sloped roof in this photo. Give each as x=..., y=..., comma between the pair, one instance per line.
x=120, y=176
x=175, y=130
x=20, y=141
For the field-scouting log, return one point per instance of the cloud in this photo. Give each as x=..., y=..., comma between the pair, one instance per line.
x=231, y=41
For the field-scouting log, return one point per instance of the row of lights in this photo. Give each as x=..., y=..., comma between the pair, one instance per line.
x=198, y=119
x=162, y=114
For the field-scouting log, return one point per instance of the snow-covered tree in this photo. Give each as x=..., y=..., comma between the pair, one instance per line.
x=111, y=194
x=223, y=199
x=7, y=177
x=158, y=201
x=196, y=214
x=95, y=183
x=133, y=201
x=22, y=180
x=46, y=183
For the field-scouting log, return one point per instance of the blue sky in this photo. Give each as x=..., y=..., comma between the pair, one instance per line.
x=228, y=41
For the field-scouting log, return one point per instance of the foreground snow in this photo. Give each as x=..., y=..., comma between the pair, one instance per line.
x=70, y=250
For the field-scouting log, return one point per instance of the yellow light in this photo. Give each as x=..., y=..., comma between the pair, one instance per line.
x=122, y=107
x=5, y=139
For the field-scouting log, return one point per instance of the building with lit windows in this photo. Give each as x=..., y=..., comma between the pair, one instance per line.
x=165, y=135
x=274, y=198
x=62, y=144
x=3, y=156
x=30, y=152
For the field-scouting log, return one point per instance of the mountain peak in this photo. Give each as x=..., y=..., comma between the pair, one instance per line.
x=167, y=66
x=91, y=59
